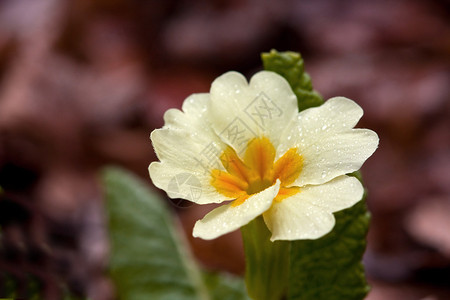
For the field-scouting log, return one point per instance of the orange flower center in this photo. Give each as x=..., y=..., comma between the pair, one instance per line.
x=257, y=171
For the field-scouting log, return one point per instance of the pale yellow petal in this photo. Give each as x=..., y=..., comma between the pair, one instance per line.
x=309, y=213
x=242, y=111
x=327, y=143
x=187, y=147
x=180, y=183
x=228, y=218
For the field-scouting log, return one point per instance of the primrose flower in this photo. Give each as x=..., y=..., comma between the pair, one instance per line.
x=245, y=145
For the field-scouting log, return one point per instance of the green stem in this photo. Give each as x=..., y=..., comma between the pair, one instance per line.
x=267, y=263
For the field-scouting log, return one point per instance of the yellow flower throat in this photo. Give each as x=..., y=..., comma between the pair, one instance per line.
x=257, y=171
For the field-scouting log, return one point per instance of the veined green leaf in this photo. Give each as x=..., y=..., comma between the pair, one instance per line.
x=330, y=267
x=148, y=259
x=290, y=66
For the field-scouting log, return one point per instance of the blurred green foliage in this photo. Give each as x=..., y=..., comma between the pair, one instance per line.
x=149, y=259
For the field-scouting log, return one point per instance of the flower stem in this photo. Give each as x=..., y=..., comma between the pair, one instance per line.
x=267, y=263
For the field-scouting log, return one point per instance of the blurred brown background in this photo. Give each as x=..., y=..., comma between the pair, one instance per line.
x=83, y=83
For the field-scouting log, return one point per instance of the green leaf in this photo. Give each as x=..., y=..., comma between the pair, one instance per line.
x=148, y=259
x=330, y=267
x=223, y=286
x=290, y=66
